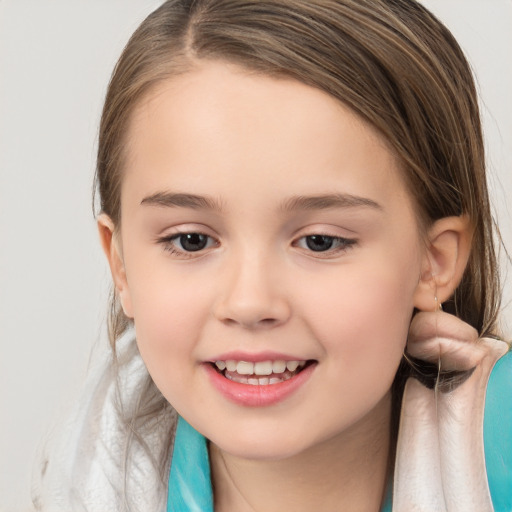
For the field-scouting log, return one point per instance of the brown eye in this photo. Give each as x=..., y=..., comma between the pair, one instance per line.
x=192, y=242
x=331, y=245
x=319, y=243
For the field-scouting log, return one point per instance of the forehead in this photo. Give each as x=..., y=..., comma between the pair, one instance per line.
x=224, y=127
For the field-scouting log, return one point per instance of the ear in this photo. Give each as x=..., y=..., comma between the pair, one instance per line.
x=112, y=248
x=446, y=257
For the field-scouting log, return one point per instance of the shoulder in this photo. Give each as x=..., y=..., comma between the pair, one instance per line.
x=96, y=457
x=498, y=433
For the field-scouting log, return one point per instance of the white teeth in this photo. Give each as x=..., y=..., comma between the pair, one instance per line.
x=245, y=368
x=292, y=365
x=263, y=368
x=240, y=370
x=252, y=381
x=231, y=365
x=278, y=366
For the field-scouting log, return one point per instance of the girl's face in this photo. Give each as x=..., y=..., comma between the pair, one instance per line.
x=265, y=227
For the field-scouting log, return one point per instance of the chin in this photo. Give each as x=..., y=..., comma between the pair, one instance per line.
x=265, y=444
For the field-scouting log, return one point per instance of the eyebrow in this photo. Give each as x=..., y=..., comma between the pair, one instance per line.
x=181, y=200
x=325, y=202
x=295, y=203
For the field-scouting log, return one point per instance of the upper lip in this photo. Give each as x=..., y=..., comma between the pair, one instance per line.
x=256, y=357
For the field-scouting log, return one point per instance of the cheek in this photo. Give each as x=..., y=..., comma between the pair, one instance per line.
x=169, y=312
x=362, y=318
x=168, y=324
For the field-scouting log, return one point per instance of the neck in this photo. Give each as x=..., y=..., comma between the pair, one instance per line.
x=348, y=472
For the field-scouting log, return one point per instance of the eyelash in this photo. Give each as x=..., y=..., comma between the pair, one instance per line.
x=168, y=243
x=341, y=244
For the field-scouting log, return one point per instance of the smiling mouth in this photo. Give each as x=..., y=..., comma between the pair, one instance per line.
x=262, y=373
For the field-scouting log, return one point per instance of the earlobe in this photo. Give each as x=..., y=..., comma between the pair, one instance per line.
x=446, y=256
x=112, y=248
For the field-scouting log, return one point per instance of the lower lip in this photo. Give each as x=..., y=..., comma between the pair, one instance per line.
x=257, y=395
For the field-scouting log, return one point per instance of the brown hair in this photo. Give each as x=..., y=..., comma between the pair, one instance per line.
x=391, y=61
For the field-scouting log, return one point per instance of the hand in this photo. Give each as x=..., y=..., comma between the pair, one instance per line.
x=444, y=339
x=444, y=351
x=440, y=461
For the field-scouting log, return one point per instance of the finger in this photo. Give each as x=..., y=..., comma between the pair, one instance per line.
x=441, y=338
x=427, y=325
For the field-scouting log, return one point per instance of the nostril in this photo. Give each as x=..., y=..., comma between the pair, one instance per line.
x=264, y=322
x=255, y=311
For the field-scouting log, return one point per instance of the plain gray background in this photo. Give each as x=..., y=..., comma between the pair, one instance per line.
x=55, y=60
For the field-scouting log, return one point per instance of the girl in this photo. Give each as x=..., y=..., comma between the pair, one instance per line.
x=295, y=214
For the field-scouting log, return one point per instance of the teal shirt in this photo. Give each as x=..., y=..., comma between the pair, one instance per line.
x=190, y=487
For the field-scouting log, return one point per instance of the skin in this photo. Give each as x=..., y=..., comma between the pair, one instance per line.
x=250, y=144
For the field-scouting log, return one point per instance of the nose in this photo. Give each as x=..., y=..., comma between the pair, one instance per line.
x=252, y=295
